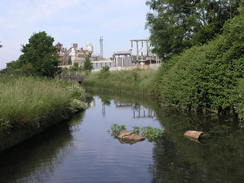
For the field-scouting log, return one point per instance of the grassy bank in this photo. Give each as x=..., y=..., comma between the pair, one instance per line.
x=27, y=102
x=133, y=81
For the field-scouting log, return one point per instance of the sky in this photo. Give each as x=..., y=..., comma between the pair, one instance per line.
x=71, y=21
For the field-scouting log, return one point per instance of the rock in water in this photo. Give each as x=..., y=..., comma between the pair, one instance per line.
x=129, y=137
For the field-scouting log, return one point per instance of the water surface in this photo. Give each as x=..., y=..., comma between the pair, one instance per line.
x=84, y=151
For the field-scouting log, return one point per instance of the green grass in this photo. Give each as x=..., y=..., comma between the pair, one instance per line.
x=133, y=81
x=28, y=101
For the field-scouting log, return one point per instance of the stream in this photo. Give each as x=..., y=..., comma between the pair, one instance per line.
x=83, y=150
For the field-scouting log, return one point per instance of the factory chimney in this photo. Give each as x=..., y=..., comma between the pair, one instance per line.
x=101, y=47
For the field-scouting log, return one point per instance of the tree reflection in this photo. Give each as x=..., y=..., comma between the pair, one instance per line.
x=218, y=159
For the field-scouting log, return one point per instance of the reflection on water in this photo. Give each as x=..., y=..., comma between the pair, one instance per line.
x=139, y=112
x=219, y=158
x=183, y=161
x=84, y=151
x=30, y=161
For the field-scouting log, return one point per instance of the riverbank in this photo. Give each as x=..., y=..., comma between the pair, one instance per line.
x=29, y=105
x=205, y=78
x=131, y=81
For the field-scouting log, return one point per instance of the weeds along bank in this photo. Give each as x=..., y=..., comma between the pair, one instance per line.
x=29, y=105
x=210, y=76
x=132, y=81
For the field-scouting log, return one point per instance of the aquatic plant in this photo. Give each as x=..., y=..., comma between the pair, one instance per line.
x=152, y=134
x=116, y=129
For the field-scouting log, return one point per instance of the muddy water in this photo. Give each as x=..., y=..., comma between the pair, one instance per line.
x=83, y=150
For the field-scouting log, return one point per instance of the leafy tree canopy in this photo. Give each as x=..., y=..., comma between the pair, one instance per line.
x=38, y=57
x=179, y=24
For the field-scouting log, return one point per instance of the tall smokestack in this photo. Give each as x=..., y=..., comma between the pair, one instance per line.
x=101, y=47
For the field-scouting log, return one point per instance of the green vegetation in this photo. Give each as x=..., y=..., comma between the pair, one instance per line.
x=207, y=77
x=87, y=65
x=240, y=105
x=35, y=102
x=71, y=72
x=152, y=134
x=105, y=69
x=39, y=58
x=177, y=25
x=116, y=129
x=127, y=81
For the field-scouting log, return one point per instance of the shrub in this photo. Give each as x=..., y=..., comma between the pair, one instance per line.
x=206, y=77
x=87, y=65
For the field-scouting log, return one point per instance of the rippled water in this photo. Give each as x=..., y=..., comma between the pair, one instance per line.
x=84, y=151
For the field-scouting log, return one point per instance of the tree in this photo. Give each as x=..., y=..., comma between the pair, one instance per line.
x=39, y=57
x=179, y=24
x=87, y=65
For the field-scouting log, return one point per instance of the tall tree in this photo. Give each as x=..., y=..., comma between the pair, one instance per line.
x=179, y=24
x=87, y=65
x=39, y=56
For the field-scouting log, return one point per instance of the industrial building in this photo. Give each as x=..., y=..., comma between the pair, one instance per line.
x=73, y=55
x=139, y=53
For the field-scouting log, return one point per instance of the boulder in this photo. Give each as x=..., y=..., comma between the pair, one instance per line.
x=129, y=137
x=193, y=134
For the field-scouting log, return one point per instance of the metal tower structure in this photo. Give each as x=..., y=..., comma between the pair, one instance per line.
x=101, y=47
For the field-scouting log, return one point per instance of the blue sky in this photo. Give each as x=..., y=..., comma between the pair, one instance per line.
x=68, y=21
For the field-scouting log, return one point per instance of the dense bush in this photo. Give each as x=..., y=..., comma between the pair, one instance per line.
x=240, y=105
x=207, y=77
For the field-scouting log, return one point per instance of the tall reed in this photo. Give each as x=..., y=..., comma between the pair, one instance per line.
x=32, y=101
